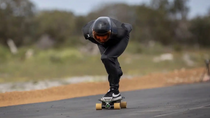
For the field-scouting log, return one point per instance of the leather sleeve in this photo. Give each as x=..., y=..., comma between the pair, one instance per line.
x=86, y=29
x=128, y=27
x=87, y=32
x=120, y=29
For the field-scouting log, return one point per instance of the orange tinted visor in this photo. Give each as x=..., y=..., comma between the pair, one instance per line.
x=101, y=38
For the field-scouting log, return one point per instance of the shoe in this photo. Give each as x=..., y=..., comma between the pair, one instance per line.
x=113, y=95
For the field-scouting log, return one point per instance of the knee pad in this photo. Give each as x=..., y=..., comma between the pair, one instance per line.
x=120, y=73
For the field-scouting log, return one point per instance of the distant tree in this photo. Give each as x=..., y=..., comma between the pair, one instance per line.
x=80, y=21
x=122, y=12
x=175, y=9
x=200, y=29
x=162, y=30
x=161, y=5
x=172, y=25
x=178, y=13
x=179, y=9
x=15, y=16
x=58, y=25
x=143, y=26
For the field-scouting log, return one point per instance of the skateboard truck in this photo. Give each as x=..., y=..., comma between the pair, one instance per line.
x=108, y=103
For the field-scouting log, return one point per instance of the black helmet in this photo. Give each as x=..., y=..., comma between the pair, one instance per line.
x=102, y=29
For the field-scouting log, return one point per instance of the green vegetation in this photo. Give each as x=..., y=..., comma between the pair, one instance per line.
x=68, y=62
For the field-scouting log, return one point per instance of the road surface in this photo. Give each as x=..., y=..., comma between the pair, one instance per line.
x=182, y=101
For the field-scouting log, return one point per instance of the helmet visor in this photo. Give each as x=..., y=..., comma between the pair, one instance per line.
x=101, y=38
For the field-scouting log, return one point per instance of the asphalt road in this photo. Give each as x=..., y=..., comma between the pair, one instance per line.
x=183, y=101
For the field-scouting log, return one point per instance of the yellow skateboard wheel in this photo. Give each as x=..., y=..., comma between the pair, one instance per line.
x=98, y=106
x=123, y=104
x=117, y=106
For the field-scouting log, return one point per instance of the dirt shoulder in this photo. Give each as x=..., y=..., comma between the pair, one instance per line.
x=85, y=89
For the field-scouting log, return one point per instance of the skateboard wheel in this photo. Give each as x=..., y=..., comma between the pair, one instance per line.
x=117, y=106
x=98, y=106
x=123, y=104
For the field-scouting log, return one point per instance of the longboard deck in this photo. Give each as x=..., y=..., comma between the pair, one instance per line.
x=110, y=100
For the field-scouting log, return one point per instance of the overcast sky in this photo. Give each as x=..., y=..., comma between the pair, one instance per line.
x=83, y=7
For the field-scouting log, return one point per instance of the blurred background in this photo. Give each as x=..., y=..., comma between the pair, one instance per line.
x=42, y=39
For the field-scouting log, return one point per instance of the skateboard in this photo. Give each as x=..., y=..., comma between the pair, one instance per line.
x=108, y=103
